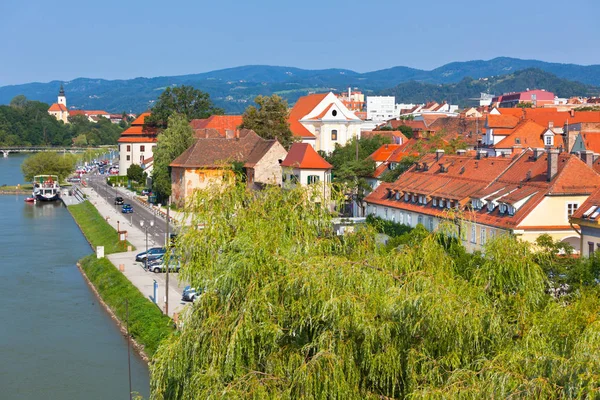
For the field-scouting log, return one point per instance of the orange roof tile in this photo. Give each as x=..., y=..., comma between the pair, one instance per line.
x=592, y=141
x=140, y=119
x=587, y=211
x=132, y=139
x=528, y=134
x=302, y=155
x=221, y=123
x=384, y=152
x=57, y=107
x=303, y=106
x=501, y=121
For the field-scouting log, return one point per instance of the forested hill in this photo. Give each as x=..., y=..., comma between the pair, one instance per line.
x=469, y=88
x=27, y=123
x=234, y=89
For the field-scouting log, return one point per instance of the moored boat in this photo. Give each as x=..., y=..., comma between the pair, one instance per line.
x=46, y=187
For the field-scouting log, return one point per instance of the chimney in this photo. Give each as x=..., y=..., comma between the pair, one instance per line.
x=572, y=112
x=587, y=156
x=229, y=134
x=461, y=152
x=439, y=153
x=550, y=124
x=481, y=154
x=552, y=163
x=538, y=152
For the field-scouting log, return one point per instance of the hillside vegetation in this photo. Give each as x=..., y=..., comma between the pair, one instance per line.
x=234, y=88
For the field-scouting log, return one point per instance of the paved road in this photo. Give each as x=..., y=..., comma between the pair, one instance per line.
x=156, y=233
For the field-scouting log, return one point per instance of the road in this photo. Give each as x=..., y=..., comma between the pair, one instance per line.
x=156, y=233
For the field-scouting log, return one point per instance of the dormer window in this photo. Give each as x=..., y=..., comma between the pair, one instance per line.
x=397, y=195
x=511, y=210
x=503, y=208
x=406, y=197
x=435, y=202
x=441, y=203
x=549, y=138
x=490, y=206
x=414, y=198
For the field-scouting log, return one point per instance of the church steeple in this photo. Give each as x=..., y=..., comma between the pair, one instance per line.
x=62, y=99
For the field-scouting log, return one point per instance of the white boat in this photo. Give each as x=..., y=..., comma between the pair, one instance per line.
x=46, y=187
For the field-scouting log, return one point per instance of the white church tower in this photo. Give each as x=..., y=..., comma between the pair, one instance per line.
x=62, y=99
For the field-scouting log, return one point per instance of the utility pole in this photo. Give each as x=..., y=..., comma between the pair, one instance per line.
x=168, y=243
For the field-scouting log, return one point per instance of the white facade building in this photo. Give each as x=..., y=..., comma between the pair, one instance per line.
x=136, y=145
x=381, y=108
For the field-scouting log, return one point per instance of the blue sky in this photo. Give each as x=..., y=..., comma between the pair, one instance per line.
x=47, y=40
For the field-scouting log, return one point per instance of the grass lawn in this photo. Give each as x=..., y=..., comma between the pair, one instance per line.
x=96, y=229
x=147, y=324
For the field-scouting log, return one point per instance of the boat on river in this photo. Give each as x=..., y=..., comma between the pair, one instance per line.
x=46, y=187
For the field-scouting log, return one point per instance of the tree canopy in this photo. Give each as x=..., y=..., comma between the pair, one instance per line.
x=290, y=310
x=27, y=123
x=48, y=163
x=136, y=173
x=270, y=119
x=171, y=143
x=184, y=100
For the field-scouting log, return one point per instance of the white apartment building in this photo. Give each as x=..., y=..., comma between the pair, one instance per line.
x=381, y=108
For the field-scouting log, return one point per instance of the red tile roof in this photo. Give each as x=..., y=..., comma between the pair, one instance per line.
x=140, y=119
x=501, y=121
x=303, y=106
x=591, y=141
x=396, y=137
x=383, y=153
x=302, y=155
x=57, y=107
x=589, y=211
x=131, y=139
x=221, y=123
x=510, y=180
x=527, y=134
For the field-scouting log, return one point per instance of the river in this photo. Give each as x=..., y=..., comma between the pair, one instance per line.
x=56, y=341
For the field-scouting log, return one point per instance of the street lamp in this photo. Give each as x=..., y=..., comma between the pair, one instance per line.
x=146, y=229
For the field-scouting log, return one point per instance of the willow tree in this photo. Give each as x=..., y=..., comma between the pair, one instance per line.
x=290, y=310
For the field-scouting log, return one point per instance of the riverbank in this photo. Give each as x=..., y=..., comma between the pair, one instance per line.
x=18, y=189
x=148, y=326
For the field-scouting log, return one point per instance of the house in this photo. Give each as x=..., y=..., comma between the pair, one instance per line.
x=305, y=167
x=210, y=160
x=587, y=217
x=59, y=109
x=587, y=137
x=530, y=193
x=395, y=137
x=323, y=121
x=221, y=123
x=387, y=158
x=536, y=98
x=91, y=115
x=137, y=144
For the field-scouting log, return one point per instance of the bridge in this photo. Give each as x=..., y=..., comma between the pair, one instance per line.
x=6, y=150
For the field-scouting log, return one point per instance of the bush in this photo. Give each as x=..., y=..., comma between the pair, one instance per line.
x=388, y=227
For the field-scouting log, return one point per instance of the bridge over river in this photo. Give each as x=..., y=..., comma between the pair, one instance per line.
x=6, y=150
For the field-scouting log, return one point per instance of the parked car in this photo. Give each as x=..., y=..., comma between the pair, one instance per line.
x=119, y=201
x=127, y=209
x=174, y=266
x=146, y=192
x=154, y=251
x=190, y=294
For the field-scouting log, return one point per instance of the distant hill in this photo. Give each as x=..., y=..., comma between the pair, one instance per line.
x=469, y=88
x=235, y=88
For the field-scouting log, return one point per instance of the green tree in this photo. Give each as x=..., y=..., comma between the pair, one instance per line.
x=171, y=143
x=19, y=101
x=184, y=100
x=48, y=163
x=270, y=119
x=406, y=131
x=80, y=141
x=135, y=173
x=290, y=310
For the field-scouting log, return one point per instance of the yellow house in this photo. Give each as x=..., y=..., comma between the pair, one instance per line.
x=211, y=158
x=587, y=217
x=531, y=193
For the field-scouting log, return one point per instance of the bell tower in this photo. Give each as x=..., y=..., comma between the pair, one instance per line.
x=62, y=99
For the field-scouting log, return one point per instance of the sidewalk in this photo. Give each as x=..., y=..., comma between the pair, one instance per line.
x=133, y=270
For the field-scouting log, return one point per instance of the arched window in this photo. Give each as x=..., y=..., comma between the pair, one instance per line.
x=334, y=134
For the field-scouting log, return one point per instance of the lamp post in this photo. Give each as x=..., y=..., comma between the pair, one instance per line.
x=146, y=229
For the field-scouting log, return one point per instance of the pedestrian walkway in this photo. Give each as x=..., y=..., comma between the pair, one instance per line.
x=132, y=269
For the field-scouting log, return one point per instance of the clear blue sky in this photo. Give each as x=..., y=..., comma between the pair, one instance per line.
x=46, y=40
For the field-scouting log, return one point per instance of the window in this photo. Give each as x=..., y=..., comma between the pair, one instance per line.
x=334, y=134
x=482, y=234
x=397, y=195
x=401, y=219
x=128, y=147
x=128, y=158
x=434, y=201
x=406, y=196
x=334, y=113
x=441, y=203
x=571, y=208
x=385, y=212
x=312, y=179
x=142, y=148
x=590, y=248
x=473, y=233
x=517, y=140
x=375, y=210
x=548, y=140
x=142, y=159
x=430, y=223
x=492, y=233
x=420, y=219
x=409, y=219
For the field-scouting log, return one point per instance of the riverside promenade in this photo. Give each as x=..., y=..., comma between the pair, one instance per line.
x=134, y=270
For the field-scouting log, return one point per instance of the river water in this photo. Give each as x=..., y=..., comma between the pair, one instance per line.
x=56, y=341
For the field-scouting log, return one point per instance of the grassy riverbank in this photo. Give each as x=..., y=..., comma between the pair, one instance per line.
x=18, y=189
x=147, y=324
x=97, y=231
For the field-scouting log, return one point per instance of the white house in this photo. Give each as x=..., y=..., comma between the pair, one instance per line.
x=304, y=166
x=136, y=145
x=323, y=121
